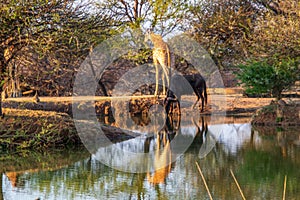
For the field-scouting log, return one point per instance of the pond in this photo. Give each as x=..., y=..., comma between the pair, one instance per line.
x=259, y=159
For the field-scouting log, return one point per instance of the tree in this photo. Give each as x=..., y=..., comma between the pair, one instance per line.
x=235, y=31
x=161, y=16
x=277, y=32
x=224, y=28
x=45, y=33
x=274, y=50
x=265, y=32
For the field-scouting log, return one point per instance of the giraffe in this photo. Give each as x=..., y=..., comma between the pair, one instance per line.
x=161, y=56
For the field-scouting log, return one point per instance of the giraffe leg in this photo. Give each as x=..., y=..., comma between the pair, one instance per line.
x=156, y=79
x=163, y=83
x=166, y=74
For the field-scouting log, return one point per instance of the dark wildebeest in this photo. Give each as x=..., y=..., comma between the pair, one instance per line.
x=170, y=102
x=179, y=88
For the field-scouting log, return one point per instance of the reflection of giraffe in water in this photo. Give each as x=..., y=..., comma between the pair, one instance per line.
x=163, y=161
x=163, y=158
x=162, y=56
x=13, y=178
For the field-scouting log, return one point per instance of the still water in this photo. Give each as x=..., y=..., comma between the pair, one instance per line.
x=259, y=158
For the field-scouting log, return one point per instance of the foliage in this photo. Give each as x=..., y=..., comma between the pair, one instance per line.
x=49, y=39
x=223, y=28
x=268, y=77
x=235, y=31
x=37, y=132
x=162, y=16
x=274, y=49
x=1, y=83
x=278, y=33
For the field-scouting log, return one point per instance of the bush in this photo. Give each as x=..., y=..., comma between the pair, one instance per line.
x=268, y=76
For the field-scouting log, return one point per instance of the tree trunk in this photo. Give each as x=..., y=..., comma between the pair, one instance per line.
x=279, y=113
x=1, y=185
x=100, y=84
x=15, y=80
x=1, y=114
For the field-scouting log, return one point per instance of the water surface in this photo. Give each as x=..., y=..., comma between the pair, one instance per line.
x=260, y=159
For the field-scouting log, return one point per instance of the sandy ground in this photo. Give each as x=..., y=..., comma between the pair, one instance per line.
x=232, y=104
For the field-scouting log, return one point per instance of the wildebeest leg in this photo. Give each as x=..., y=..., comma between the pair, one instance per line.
x=168, y=104
x=199, y=94
x=202, y=101
x=198, y=98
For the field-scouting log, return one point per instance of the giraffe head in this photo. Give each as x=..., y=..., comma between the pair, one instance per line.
x=154, y=38
x=148, y=35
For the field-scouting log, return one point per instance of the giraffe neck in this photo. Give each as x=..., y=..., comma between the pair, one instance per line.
x=158, y=42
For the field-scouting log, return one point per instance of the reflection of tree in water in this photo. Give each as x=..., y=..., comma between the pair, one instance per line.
x=19, y=169
x=256, y=166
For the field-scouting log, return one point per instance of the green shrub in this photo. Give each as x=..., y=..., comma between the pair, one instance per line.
x=268, y=76
x=1, y=83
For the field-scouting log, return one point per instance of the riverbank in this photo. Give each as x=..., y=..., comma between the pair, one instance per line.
x=49, y=124
x=41, y=130
x=28, y=129
x=280, y=113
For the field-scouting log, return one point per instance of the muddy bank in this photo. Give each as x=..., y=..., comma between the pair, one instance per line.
x=23, y=129
x=278, y=114
x=27, y=129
